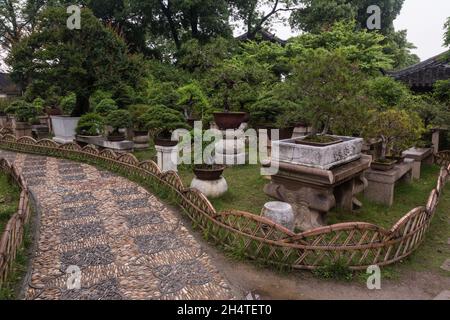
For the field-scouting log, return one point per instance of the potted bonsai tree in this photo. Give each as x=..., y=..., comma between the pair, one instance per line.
x=331, y=93
x=24, y=112
x=105, y=107
x=141, y=138
x=64, y=125
x=397, y=130
x=39, y=104
x=118, y=119
x=162, y=121
x=193, y=102
x=90, y=125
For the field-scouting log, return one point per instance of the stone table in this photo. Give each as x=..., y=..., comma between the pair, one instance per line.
x=381, y=187
x=313, y=192
x=419, y=155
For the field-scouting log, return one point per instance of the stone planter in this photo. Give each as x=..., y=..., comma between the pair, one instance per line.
x=64, y=128
x=323, y=158
x=22, y=129
x=141, y=140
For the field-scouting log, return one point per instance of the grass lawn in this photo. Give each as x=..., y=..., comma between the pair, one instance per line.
x=9, y=201
x=246, y=193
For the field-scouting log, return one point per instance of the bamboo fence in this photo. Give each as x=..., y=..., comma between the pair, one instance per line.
x=357, y=244
x=12, y=237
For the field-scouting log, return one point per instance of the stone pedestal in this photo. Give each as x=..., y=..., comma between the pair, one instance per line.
x=102, y=143
x=231, y=150
x=211, y=189
x=419, y=156
x=281, y=213
x=381, y=187
x=40, y=131
x=167, y=158
x=313, y=192
x=141, y=142
x=21, y=129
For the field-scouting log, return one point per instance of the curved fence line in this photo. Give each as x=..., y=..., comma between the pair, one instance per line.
x=12, y=237
x=357, y=244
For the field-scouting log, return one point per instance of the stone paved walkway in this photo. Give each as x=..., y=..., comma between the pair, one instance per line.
x=126, y=243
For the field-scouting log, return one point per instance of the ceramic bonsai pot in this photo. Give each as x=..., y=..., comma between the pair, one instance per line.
x=116, y=137
x=229, y=120
x=383, y=165
x=208, y=172
x=284, y=133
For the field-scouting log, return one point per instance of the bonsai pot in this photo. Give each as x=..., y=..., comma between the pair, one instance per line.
x=284, y=133
x=64, y=128
x=140, y=133
x=209, y=172
x=141, y=140
x=329, y=141
x=43, y=120
x=53, y=112
x=22, y=129
x=397, y=159
x=320, y=157
x=229, y=120
x=383, y=165
x=115, y=137
x=165, y=142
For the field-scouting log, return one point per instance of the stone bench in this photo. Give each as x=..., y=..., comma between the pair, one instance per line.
x=381, y=187
x=419, y=156
x=102, y=143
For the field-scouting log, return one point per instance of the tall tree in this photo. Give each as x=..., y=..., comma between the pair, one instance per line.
x=447, y=33
x=78, y=61
x=17, y=18
x=258, y=14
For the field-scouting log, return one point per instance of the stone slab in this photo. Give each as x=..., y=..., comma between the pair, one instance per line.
x=121, y=146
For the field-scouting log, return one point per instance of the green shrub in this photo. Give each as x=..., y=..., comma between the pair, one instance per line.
x=105, y=107
x=163, y=121
x=68, y=104
x=136, y=112
x=39, y=104
x=337, y=270
x=119, y=119
x=24, y=111
x=97, y=97
x=90, y=124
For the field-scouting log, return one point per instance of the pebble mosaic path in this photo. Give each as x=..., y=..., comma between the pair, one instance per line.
x=125, y=242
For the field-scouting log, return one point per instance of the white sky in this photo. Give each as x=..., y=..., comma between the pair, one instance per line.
x=423, y=19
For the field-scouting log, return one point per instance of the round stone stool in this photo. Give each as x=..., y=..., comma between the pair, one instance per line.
x=211, y=189
x=280, y=213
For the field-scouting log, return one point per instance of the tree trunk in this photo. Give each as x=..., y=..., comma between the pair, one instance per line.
x=82, y=105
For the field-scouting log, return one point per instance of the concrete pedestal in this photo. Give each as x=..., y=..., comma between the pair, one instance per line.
x=313, y=192
x=419, y=156
x=167, y=158
x=231, y=150
x=141, y=142
x=281, y=213
x=211, y=189
x=381, y=187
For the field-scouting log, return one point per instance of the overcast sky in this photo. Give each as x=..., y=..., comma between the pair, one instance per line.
x=423, y=19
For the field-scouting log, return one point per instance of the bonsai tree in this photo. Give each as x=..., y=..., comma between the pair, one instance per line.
x=397, y=129
x=192, y=101
x=68, y=104
x=162, y=121
x=24, y=111
x=97, y=97
x=105, y=107
x=39, y=104
x=90, y=124
x=136, y=112
x=118, y=119
x=331, y=92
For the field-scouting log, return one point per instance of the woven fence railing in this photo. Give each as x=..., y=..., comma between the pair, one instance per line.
x=12, y=236
x=357, y=244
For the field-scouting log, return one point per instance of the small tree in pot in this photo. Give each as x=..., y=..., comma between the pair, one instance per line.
x=397, y=129
x=91, y=125
x=119, y=119
x=193, y=102
x=162, y=122
x=24, y=112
